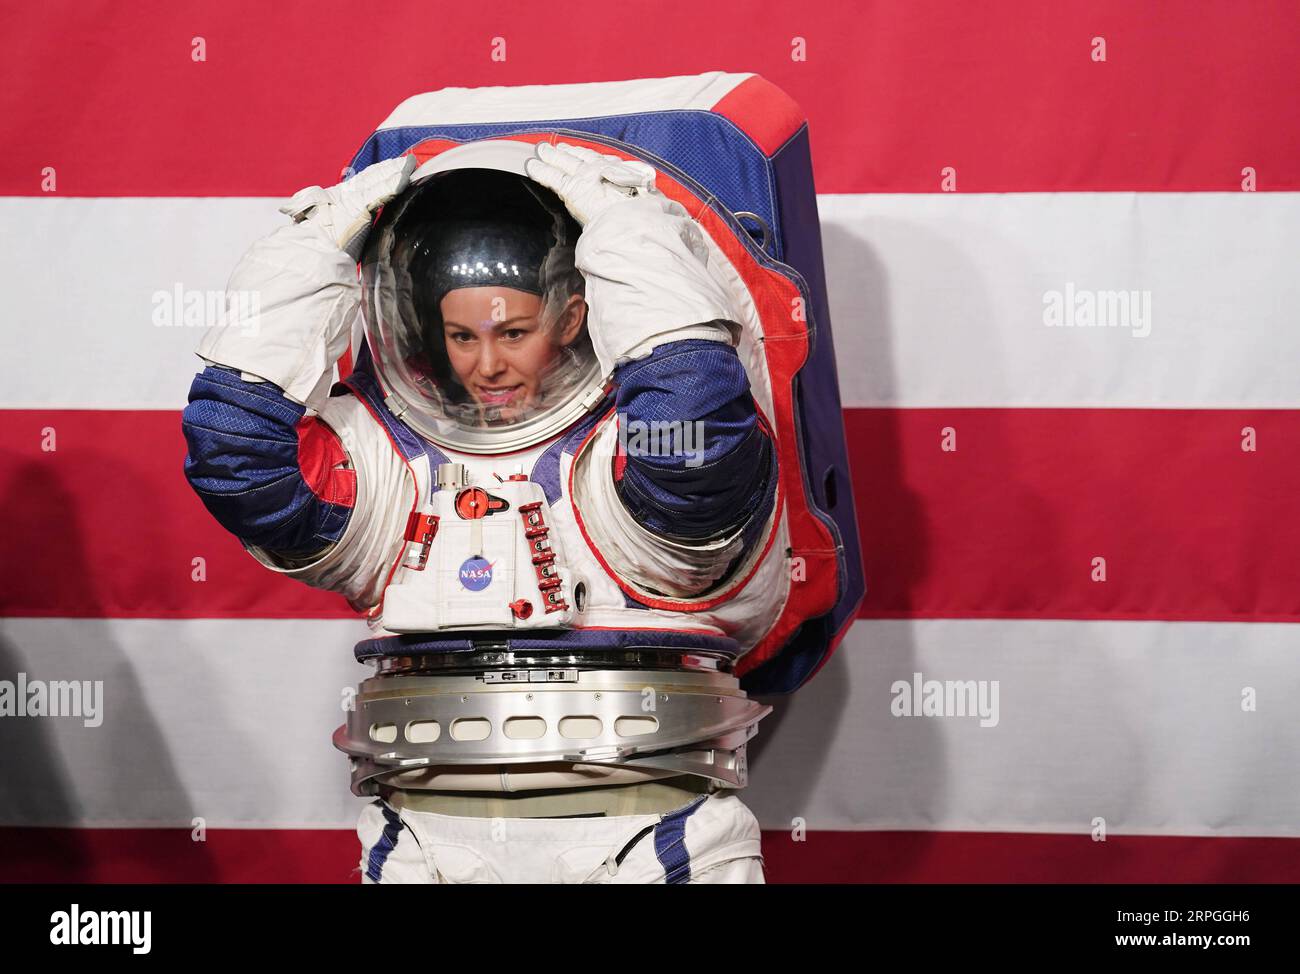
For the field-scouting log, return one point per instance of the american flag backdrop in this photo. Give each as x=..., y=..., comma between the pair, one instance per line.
x=1063, y=252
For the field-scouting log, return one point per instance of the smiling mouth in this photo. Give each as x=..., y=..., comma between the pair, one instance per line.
x=499, y=396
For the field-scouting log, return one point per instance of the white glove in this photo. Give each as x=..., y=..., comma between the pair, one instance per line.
x=587, y=181
x=343, y=212
x=295, y=292
x=644, y=259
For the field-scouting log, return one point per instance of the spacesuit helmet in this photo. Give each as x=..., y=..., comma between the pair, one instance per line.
x=475, y=313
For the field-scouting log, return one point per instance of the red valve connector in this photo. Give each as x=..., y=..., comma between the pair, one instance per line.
x=422, y=529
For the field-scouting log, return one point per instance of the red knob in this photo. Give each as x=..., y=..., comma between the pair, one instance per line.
x=472, y=504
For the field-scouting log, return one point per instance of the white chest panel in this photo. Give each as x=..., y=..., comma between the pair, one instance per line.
x=419, y=559
x=482, y=556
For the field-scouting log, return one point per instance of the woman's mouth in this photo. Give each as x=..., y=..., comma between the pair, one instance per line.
x=498, y=395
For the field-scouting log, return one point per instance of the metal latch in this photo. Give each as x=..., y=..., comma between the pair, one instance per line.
x=531, y=676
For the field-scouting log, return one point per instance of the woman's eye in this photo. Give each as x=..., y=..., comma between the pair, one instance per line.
x=461, y=338
x=514, y=334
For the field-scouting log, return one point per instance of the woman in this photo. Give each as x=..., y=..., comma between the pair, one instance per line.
x=489, y=322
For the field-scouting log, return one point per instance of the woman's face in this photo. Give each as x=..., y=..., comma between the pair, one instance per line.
x=498, y=348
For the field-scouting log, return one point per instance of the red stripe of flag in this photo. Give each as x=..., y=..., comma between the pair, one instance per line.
x=1190, y=526
x=106, y=526
x=1007, y=94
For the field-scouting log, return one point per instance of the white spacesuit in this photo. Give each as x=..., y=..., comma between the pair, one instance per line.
x=547, y=486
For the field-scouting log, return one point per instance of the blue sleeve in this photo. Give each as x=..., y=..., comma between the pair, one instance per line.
x=243, y=462
x=720, y=474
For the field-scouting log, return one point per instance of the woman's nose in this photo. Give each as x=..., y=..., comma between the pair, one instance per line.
x=489, y=360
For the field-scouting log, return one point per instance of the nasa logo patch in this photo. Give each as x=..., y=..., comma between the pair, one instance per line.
x=476, y=574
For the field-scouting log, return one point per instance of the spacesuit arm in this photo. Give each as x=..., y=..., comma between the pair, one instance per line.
x=247, y=445
x=266, y=441
x=695, y=463
x=678, y=487
x=645, y=265
x=320, y=499
x=295, y=292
